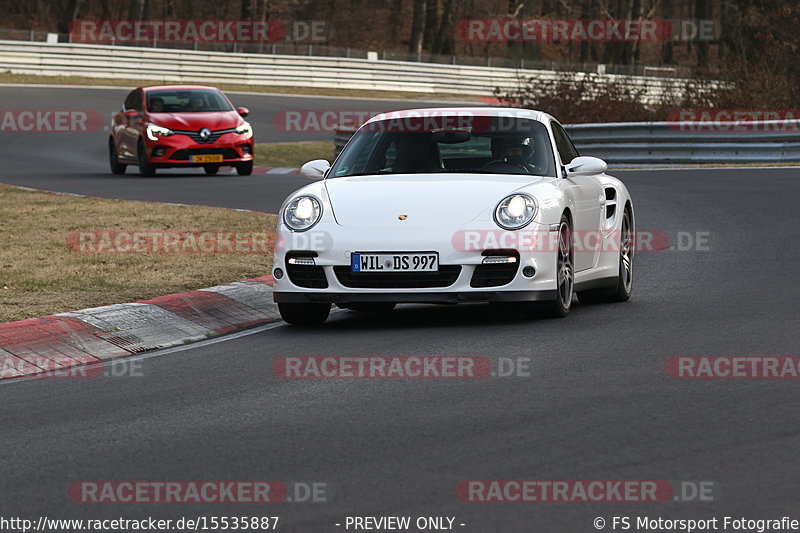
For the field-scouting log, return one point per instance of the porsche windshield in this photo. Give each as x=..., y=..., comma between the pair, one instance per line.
x=487, y=145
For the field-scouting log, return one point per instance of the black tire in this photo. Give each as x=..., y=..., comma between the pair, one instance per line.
x=622, y=291
x=117, y=168
x=304, y=314
x=565, y=277
x=372, y=307
x=145, y=168
x=211, y=169
x=244, y=169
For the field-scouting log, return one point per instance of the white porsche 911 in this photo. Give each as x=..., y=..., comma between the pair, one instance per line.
x=454, y=205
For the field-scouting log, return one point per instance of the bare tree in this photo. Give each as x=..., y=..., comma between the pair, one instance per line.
x=417, y=27
x=69, y=14
x=137, y=9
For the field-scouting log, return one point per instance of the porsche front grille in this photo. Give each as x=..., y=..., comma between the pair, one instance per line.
x=446, y=276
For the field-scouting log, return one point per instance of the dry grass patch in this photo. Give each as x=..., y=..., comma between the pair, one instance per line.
x=39, y=274
x=292, y=155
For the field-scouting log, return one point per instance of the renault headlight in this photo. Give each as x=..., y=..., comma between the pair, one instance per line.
x=154, y=132
x=245, y=129
x=302, y=213
x=515, y=211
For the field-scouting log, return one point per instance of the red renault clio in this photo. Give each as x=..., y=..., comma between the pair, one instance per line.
x=180, y=126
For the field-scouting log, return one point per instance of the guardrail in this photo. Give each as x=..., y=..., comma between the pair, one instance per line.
x=166, y=65
x=775, y=141
x=304, y=48
x=654, y=143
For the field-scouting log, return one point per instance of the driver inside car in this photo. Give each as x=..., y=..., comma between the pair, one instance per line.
x=197, y=103
x=514, y=152
x=157, y=105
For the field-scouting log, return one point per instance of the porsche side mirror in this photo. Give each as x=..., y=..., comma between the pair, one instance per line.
x=243, y=111
x=315, y=169
x=131, y=113
x=586, y=166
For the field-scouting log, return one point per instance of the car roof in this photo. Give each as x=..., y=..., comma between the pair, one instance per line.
x=484, y=111
x=176, y=87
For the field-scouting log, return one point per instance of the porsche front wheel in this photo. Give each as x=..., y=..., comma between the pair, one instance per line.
x=565, y=276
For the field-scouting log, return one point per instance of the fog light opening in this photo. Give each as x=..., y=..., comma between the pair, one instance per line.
x=277, y=273
x=306, y=261
x=528, y=271
x=498, y=259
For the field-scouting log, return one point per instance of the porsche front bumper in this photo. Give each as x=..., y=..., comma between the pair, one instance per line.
x=463, y=272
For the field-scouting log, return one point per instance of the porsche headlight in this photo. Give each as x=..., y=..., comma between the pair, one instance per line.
x=245, y=129
x=302, y=213
x=515, y=211
x=154, y=132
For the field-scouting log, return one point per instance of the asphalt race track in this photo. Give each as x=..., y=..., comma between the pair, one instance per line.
x=598, y=403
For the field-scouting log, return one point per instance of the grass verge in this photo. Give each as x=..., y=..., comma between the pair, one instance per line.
x=39, y=274
x=292, y=155
x=6, y=77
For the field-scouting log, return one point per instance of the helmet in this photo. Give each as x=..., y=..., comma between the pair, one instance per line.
x=514, y=150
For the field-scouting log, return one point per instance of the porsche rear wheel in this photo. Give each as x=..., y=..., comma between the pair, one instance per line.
x=622, y=291
x=304, y=314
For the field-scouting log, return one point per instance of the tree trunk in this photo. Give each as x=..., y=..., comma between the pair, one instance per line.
x=137, y=9
x=431, y=23
x=247, y=10
x=417, y=27
x=69, y=15
x=443, y=44
x=702, y=10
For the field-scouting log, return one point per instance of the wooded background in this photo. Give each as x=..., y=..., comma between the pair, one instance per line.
x=757, y=48
x=429, y=25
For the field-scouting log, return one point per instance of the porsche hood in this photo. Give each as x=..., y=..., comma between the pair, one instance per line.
x=418, y=200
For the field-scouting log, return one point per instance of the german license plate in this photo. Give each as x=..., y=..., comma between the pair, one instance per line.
x=210, y=158
x=388, y=262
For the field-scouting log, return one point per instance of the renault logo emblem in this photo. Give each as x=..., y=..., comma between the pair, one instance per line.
x=402, y=217
x=205, y=133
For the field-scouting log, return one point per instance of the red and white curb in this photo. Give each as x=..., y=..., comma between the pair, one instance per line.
x=270, y=170
x=276, y=170
x=52, y=343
